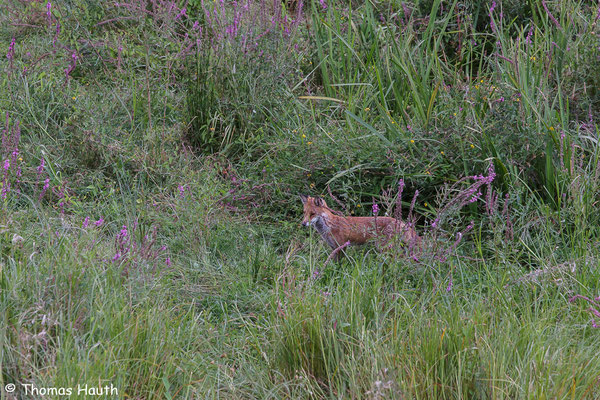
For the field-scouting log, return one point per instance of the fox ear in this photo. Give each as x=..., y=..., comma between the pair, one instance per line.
x=304, y=198
x=319, y=202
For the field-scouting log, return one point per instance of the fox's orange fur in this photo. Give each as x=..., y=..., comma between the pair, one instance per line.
x=336, y=230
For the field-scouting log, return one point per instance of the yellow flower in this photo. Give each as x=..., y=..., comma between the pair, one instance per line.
x=20, y=158
x=412, y=141
x=455, y=114
x=425, y=204
x=476, y=86
x=442, y=152
x=212, y=128
x=358, y=205
x=309, y=143
x=312, y=185
x=472, y=146
x=303, y=136
x=308, y=175
x=532, y=58
x=367, y=109
x=552, y=128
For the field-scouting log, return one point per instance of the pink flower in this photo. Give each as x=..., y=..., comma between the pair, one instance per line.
x=375, y=209
x=99, y=222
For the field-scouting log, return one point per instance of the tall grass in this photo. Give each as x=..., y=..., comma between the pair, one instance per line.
x=151, y=158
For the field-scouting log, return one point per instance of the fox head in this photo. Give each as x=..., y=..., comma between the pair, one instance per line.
x=314, y=208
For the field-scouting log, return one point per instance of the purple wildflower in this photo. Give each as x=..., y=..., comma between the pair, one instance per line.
x=168, y=261
x=71, y=66
x=56, y=34
x=45, y=188
x=492, y=17
x=375, y=209
x=6, y=164
x=181, y=13
x=528, y=38
x=86, y=222
x=40, y=168
x=554, y=20
x=99, y=222
x=11, y=52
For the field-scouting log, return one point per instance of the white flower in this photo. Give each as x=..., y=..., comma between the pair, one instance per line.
x=17, y=240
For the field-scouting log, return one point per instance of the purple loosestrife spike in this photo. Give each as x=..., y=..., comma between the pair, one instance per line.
x=492, y=16
x=72, y=65
x=182, y=13
x=412, y=204
x=99, y=222
x=45, y=188
x=11, y=52
x=6, y=164
x=375, y=209
x=528, y=38
x=56, y=34
x=86, y=222
x=550, y=15
x=168, y=261
x=450, y=284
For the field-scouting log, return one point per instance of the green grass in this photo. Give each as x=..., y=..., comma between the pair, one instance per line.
x=165, y=255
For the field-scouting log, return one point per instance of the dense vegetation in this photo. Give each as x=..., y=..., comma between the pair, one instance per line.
x=153, y=153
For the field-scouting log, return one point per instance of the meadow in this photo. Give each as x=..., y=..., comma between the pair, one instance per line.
x=153, y=153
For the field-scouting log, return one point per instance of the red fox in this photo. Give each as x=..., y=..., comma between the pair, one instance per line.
x=338, y=230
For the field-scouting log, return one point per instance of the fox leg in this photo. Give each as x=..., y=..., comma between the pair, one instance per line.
x=336, y=253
